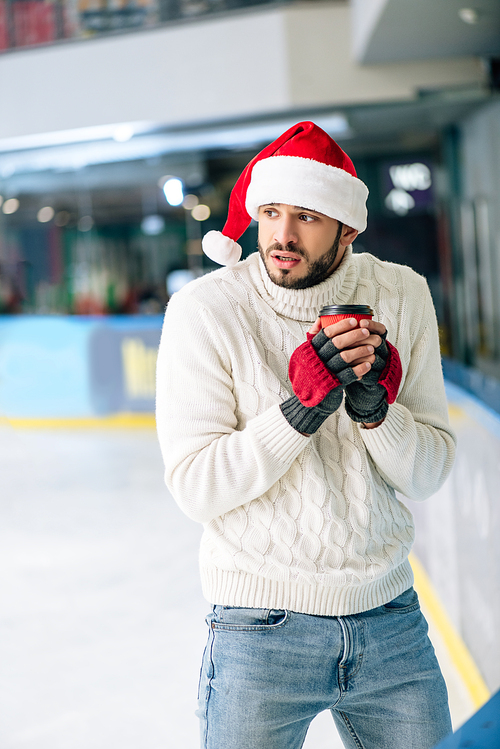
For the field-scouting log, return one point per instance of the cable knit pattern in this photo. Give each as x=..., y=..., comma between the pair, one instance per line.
x=310, y=524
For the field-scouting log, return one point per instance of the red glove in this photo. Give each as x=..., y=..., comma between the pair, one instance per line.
x=316, y=368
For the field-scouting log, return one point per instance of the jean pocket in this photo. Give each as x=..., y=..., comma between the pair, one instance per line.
x=402, y=604
x=248, y=619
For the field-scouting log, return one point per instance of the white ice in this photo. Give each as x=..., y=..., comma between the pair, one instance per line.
x=101, y=613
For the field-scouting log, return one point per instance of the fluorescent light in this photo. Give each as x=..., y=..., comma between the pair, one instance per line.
x=75, y=149
x=123, y=133
x=76, y=135
x=173, y=191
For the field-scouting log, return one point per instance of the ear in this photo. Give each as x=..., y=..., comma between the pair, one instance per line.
x=348, y=235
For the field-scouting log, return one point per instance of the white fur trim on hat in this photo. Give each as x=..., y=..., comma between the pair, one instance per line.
x=221, y=249
x=294, y=180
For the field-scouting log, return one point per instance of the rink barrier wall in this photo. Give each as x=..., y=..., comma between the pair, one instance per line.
x=457, y=650
x=481, y=731
x=485, y=389
x=77, y=367
x=457, y=533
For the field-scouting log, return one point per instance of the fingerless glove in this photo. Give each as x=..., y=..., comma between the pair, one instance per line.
x=367, y=400
x=318, y=375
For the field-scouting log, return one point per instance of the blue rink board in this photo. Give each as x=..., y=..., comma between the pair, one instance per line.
x=475, y=408
x=482, y=731
x=64, y=367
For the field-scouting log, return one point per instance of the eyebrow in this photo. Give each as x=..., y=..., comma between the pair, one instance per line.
x=298, y=208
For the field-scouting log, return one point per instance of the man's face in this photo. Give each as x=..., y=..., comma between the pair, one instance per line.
x=300, y=248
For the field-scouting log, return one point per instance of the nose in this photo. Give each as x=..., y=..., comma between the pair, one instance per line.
x=284, y=231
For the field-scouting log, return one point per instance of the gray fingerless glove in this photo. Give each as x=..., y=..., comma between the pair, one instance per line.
x=311, y=382
x=330, y=356
x=309, y=419
x=366, y=399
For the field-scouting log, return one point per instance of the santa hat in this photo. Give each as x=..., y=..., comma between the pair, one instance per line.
x=303, y=167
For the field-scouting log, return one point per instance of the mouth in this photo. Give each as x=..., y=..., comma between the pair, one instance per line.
x=284, y=259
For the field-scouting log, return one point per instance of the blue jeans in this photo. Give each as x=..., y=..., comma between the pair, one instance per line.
x=267, y=673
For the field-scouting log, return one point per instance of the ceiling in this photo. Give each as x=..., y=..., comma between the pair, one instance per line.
x=97, y=159
x=403, y=30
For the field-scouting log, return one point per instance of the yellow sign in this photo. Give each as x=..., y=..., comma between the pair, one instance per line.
x=139, y=368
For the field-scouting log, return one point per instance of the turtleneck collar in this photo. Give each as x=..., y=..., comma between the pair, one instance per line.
x=304, y=304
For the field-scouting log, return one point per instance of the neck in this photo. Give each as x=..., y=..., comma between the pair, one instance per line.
x=304, y=304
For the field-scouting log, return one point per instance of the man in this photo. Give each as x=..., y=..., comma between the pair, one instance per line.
x=290, y=451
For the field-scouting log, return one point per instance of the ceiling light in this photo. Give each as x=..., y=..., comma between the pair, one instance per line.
x=45, y=214
x=123, y=133
x=189, y=202
x=153, y=225
x=200, y=212
x=86, y=223
x=468, y=15
x=399, y=201
x=10, y=206
x=173, y=190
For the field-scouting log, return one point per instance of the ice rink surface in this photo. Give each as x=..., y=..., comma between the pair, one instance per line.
x=102, y=618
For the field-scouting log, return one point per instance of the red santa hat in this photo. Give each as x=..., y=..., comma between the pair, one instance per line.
x=303, y=167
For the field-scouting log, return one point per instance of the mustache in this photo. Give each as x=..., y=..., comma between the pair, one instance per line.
x=291, y=248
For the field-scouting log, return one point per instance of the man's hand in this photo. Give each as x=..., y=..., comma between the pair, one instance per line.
x=317, y=390
x=356, y=341
x=373, y=362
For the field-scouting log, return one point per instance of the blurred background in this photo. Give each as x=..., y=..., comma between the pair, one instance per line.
x=124, y=125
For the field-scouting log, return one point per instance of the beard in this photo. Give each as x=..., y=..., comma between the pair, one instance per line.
x=317, y=271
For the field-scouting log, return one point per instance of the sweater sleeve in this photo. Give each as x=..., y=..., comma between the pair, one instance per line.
x=414, y=447
x=211, y=465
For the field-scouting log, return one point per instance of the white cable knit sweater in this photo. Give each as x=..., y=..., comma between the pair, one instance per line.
x=310, y=524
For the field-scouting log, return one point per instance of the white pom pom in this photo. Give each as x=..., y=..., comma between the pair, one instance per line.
x=221, y=249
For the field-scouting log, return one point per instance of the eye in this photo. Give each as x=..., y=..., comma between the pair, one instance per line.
x=271, y=212
x=307, y=218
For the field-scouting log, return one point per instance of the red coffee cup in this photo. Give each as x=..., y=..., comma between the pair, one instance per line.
x=332, y=313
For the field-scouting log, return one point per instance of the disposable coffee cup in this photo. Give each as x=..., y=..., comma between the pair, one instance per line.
x=332, y=313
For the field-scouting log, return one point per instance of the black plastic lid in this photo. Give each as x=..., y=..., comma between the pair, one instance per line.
x=346, y=309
